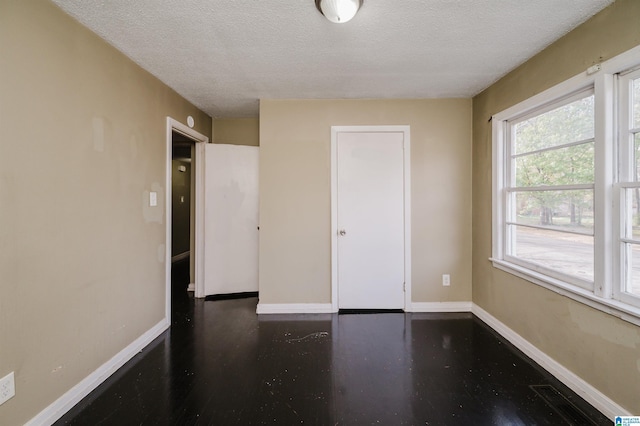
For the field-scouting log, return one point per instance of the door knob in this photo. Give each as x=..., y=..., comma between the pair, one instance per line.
x=343, y=232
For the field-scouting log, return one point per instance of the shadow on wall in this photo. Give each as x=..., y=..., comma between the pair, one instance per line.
x=180, y=200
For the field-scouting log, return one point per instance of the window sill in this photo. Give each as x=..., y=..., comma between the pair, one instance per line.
x=616, y=308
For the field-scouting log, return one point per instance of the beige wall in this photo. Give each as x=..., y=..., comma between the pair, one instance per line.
x=81, y=257
x=237, y=131
x=603, y=350
x=295, y=194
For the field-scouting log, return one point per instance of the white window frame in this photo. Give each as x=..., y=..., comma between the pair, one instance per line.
x=625, y=180
x=605, y=294
x=509, y=177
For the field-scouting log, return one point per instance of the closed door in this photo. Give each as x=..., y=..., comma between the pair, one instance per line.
x=370, y=220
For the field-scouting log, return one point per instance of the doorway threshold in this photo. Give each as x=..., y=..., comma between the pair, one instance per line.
x=369, y=311
x=228, y=296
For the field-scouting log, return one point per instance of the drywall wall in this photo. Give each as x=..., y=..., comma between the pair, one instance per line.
x=603, y=350
x=82, y=269
x=236, y=131
x=295, y=194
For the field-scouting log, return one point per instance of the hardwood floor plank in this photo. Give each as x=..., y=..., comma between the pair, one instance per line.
x=221, y=364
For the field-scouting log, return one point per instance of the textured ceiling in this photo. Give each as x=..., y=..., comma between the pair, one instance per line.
x=225, y=55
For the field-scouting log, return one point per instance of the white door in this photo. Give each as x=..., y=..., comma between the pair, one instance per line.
x=370, y=220
x=231, y=219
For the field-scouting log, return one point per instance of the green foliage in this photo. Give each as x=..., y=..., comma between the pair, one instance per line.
x=563, y=166
x=557, y=164
x=562, y=209
x=569, y=123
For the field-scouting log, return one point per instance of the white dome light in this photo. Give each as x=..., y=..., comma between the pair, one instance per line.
x=338, y=11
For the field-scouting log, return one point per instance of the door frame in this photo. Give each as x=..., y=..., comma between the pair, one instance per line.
x=406, y=130
x=197, y=171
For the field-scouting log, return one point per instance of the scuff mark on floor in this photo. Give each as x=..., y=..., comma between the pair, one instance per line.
x=312, y=336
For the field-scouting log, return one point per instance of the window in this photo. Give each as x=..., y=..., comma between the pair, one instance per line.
x=549, y=185
x=566, y=188
x=629, y=107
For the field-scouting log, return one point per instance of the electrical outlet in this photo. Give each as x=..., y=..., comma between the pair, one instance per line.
x=446, y=280
x=7, y=388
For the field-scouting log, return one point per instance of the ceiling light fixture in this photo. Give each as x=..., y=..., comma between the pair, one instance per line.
x=338, y=11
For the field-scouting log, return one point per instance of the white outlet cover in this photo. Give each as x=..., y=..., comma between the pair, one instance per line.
x=7, y=388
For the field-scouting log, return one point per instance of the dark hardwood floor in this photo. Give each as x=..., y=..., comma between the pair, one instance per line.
x=221, y=364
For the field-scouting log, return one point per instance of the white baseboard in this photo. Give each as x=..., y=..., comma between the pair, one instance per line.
x=191, y=287
x=63, y=404
x=327, y=308
x=294, y=308
x=440, y=307
x=180, y=256
x=596, y=398
x=592, y=395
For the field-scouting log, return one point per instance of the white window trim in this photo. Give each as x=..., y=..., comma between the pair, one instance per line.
x=625, y=181
x=607, y=195
x=509, y=191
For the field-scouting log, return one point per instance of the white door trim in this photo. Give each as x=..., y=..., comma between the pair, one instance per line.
x=198, y=166
x=334, y=205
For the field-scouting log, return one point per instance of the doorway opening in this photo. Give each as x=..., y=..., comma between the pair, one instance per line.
x=184, y=244
x=182, y=241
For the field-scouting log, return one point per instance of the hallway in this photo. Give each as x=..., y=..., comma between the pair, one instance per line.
x=221, y=364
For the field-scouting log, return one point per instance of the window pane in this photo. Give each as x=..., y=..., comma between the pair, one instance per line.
x=570, y=254
x=636, y=103
x=632, y=215
x=557, y=210
x=633, y=282
x=569, y=123
x=636, y=157
x=563, y=166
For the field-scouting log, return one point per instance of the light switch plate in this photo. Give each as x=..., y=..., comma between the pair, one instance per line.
x=153, y=198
